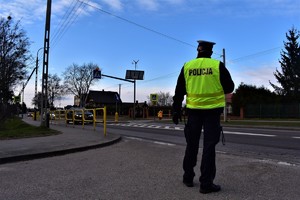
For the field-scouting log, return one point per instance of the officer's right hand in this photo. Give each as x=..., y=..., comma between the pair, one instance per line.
x=175, y=118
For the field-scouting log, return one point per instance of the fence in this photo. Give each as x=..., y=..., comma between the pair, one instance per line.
x=80, y=116
x=291, y=110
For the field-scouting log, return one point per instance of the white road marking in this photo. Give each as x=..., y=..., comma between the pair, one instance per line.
x=149, y=140
x=251, y=134
x=176, y=128
x=164, y=143
x=153, y=126
x=277, y=162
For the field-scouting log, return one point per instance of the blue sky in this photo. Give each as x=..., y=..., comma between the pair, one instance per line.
x=161, y=34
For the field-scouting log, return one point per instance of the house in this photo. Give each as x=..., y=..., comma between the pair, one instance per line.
x=229, y=103
x=101, y=98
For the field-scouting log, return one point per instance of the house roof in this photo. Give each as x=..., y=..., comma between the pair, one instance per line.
x=103, y=97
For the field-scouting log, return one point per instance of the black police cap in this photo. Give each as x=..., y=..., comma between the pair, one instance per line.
x=206, y=43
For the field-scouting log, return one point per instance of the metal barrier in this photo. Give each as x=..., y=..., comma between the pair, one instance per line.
x=88, y=120
x=104, y=118
x=70, y=116
x=37, y=115
x=59, y=114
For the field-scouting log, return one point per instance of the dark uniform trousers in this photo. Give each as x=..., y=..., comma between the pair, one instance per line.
x=212, y=130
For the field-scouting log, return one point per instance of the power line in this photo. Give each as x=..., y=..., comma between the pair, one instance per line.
x=254, y=55
x=71, y=16
x=73, y=11
x=70, y=19
x=234, y=60
x=138, y=25
x=63, y=19
x=147, y=81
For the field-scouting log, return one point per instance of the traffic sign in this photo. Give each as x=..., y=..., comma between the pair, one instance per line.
x=97, y=73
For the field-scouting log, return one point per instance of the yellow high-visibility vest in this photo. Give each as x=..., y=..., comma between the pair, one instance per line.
x=203, y=86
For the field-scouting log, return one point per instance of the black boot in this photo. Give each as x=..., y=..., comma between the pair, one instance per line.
x=210, y=188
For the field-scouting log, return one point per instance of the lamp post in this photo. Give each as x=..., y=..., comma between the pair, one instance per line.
x=134, y=75
x=134, y=83
x=36, y=77
x=225, y=107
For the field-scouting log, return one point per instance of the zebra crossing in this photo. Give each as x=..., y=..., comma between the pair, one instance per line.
x=146, y=125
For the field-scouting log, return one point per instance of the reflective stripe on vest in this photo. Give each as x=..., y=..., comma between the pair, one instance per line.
x=204, y=90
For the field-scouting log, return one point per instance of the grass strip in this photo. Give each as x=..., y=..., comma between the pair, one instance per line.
x=14, y=128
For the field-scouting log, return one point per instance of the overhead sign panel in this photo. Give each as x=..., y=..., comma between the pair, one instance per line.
x=134, y=74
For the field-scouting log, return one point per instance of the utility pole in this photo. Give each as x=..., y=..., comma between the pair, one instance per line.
x=23, y=99
x=120, y=90
x=120, y=98
x=134, y=98
x=45, y=67
x=225, y=107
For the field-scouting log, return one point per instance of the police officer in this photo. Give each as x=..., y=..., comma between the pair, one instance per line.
x=205, y=82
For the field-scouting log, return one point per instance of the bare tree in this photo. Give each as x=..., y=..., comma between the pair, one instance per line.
x=37, y=100
x=78, y=79
x=164, y=99
x=14, y=52
x=55, y=89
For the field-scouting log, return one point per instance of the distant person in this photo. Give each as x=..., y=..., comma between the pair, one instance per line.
x=145, y=105
x=205, y=82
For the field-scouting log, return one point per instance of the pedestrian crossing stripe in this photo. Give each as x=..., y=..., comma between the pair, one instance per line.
x=146, y=126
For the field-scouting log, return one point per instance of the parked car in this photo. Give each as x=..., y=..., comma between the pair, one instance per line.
x=51, y=116
x=78, y=116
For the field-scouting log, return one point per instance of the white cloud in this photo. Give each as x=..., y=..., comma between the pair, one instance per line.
x=148, y=4
x=255, y=76
x=35, y=10
x=22, y=10
x=176, y=2
x=114, y=4
x=32, y=10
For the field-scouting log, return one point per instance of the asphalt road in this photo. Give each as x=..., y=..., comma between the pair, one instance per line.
x=137, y=169
x=147, y=164
x=281, y=145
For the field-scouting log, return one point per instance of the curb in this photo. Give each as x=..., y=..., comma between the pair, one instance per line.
x=33, y=156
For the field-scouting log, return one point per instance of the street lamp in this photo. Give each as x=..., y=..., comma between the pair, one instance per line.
x=36, y=77
x=134, y=98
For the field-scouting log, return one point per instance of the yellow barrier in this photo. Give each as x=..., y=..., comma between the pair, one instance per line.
x=70, y=116
x=88, y=120
x=37, y=115
x=116, y=117
x=59, y=114
x=104, y=118
x=67, y=116
x=76, y=112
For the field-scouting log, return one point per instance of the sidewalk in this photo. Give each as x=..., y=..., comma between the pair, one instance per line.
x=71, y=140
x=133, y=169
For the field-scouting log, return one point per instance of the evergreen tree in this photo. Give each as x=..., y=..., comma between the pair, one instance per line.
x=251, y=94
x=289, y=78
